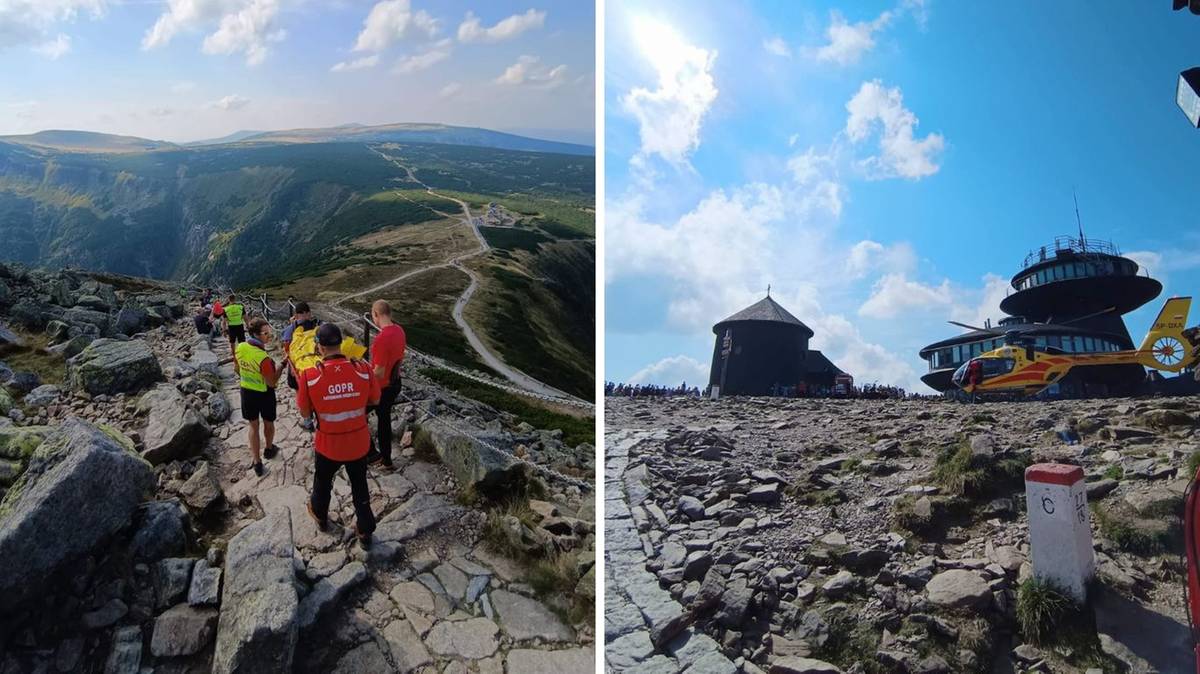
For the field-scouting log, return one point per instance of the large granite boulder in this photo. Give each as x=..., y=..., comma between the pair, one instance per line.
x=81, y=486
x=258, y=627
x=28, y=314
x=174, y=431
x=489, y=472
x=78, y=316
x=108, y=366
x=130, y=321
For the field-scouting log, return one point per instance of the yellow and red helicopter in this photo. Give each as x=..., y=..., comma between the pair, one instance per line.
x=1020, y=367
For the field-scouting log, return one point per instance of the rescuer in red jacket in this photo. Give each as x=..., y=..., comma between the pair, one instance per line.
x=339, y=391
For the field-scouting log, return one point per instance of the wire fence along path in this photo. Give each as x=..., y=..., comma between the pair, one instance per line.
x=277, y=316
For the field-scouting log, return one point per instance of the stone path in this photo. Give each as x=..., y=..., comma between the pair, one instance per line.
x=645, y=629
x=427, y=597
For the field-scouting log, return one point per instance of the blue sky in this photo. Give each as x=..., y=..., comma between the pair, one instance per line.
x=190, y=69
x=884, y=165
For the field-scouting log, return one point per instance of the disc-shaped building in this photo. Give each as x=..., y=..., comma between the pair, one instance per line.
x=1072, y=278
x=763, y=350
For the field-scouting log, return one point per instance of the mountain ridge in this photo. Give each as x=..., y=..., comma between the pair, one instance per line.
x=420, y=132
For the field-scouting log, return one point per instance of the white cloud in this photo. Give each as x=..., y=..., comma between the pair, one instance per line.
x=869, y=363
x=55, y=48
x=986, y=306
x=1146, y=259
x=450, y=89
x=894, y=294
x=357, y=64
x=161, y=112
x=183, y=87
x=528, y=70
x=902, y=154
x=391, y=20
x=670, y=115
x=673, y=371
x=231, y=102
x=849, y=42
x=775, y=45
x=32, y=22
x=241, y=26
x=868, y=256
x=423, y=60
x=919, y=11
x=471, y=30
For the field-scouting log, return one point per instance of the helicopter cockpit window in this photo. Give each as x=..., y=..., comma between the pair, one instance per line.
x=993, y=367
x=978, y=370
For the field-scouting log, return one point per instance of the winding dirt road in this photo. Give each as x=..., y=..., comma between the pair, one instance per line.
x=492, y=360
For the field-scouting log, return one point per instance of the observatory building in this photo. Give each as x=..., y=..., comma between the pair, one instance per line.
x=1057, y=284
x=763, y=350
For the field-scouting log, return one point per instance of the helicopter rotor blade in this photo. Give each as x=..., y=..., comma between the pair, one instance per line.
x=976, y=328
x=1084, y=318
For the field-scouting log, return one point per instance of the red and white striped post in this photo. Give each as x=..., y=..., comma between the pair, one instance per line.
x=1060, y=529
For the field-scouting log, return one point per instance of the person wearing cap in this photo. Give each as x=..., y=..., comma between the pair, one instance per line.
x=258, y=376
x=387, y=356
x=338, y=391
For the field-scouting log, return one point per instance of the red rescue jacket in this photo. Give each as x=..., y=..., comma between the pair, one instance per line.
x=339, y=390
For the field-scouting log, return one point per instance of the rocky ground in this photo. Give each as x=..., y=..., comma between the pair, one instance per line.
x=886, y=536
x=134, y=537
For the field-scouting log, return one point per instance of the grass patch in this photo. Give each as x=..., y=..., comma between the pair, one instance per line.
x=851, y=641
x=1050, y=619
x=51, y=368
x=1120, y=524
x=423, y=447
x=1192, y=464
x=1040, y=609
x=510, y=238
x=907, y=517
x=962, y=473
x=1116, y=472
x=575, y=430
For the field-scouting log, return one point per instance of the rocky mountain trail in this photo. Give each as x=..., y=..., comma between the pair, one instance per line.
x=887, y=536
x=139, y=539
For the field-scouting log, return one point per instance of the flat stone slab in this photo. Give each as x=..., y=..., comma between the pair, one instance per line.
x=524, y=618
x=414, y=595
x=569, y=661
x=421, y=512
x=328, y=592
x=471, y=639
x=294, y=499
x=408, y=650
x=258, y=629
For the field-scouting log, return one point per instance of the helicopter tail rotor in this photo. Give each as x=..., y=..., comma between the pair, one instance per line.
x=1166, y=347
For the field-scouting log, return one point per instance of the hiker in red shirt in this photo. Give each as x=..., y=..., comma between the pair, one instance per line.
x=387, y=355
x=339, y=391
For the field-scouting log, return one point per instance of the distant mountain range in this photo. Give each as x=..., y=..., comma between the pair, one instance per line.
x=88, y=141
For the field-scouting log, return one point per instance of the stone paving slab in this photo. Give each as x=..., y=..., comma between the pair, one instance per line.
x=643, y=623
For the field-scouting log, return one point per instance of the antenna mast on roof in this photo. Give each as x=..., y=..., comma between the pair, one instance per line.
x=1079, y=221
x=768, y=290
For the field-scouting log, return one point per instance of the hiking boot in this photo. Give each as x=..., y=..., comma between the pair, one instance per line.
x=321, y=524
x=271, y=452
x=385, y=466
x=258, y=468
x=364, y=540
x=374, y=457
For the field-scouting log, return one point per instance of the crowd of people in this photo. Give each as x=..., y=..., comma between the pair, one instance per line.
x=335, y=392
x=866, y=392
x=649, y=390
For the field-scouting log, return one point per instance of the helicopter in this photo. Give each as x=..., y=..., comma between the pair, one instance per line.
x=1020, y=367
